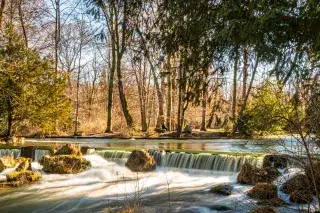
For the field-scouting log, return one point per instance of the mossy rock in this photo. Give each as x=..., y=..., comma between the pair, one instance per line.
x=222, y=189
x=25, y=176
x=264, y=191
x=264, y=209
x=274, y=202
x=251, y=175
x=68, y=149
x=24, y=165
x=140, y=161
x=7, y=162
x=296, y=183
x=64, y=164
x=301, y=196
x=316, y=171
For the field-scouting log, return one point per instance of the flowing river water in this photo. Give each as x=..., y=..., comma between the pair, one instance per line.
x=180, y=183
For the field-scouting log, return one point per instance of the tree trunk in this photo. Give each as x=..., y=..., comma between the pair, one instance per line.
x=10, y=120
x=169, y=93
x=181, y=103
x=234, y=98
x=22, y=24
x=245, y=71
x=123, y=99
x=76, y=127
x=110, y=88
x=204, y=110
x=2, y=6
x=160, y=119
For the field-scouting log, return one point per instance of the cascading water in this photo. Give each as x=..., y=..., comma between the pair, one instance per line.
x=113, y=154
x=10, y=152
x=40, y=153
x=226, y=163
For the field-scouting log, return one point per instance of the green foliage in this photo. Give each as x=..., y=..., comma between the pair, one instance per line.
x=313, y=112
x=31, y=93
x=267, y=111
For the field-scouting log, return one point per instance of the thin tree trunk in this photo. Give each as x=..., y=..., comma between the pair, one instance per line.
x=181, y=104
x=110, y=88
x=160, y=119
x=10, y=120
x=2, y=6
x=245, y=71
x=169, y=94
x=123, y=99
x=235, y=74
x=204, y=110
x=22, y=24
x=76, y=127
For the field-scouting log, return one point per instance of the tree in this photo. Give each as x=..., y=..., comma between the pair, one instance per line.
x=29, y=93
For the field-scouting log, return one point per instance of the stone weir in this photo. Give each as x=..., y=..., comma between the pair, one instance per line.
x=216, y=162
x=183, y=160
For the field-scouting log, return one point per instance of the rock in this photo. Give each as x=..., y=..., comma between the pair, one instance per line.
x=220, y=208
x=16, y=179
x=7, y=162
x=26, y=176
x=251, y=175
x=277, y=161
x=64, y=164
x=24, y=166
x=222, y=189
x=301, y=196
x=188, y=129
x=316, y=171
x=264, y=191
x=275, y=202
x=84, y=150
x=68, y=149
x=140, y=161
x=298, y=182
x=264, y=209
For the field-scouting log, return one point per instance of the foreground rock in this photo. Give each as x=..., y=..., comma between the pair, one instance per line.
x=264, y=191
x=68, y=149
x=64, y=164
x=264, y=209
x=275, y=160
x=24, y=165
x=22, y=175
x=7, y=162
x=140, y=161
x=222, y=189
x=274, y=202
x=316, y=171
x=301, y=196
x=296, y=183
x=251, y=175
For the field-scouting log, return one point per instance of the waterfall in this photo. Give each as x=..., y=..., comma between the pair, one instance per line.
x=203, y=161
x=40, y=153
x=113, y=154
x=11, y=152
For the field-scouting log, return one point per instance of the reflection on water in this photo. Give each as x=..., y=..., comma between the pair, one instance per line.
x=223, y=145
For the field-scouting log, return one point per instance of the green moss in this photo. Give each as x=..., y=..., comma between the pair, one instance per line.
x=9, y=147
x=215, y=152
x=23, y=176
x=129, y=149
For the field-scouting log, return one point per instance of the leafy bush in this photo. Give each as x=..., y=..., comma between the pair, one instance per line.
x=267, y=110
